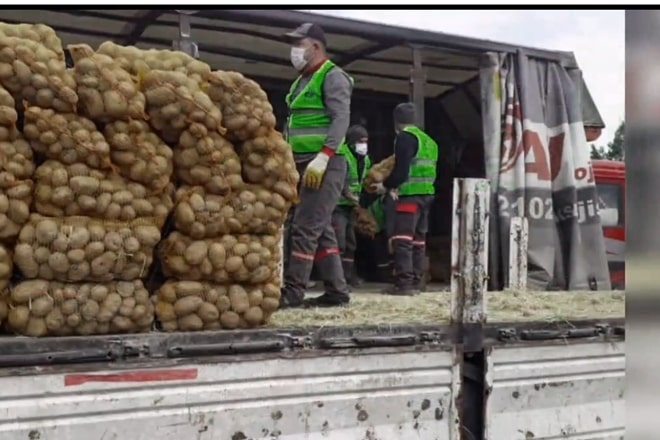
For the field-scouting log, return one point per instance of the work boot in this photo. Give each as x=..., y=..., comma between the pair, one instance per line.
x=395, y=290
x=327, y=300
x=290, y=301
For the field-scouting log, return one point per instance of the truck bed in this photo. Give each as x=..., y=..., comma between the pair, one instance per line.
x=368, y=307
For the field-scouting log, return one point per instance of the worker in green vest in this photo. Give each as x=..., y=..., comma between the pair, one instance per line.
x=343, y=218
x=410, y=189
x=319, y=103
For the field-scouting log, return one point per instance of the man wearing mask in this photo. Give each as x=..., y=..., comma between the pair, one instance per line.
x=355, y=152
x=319, y=113
x=411, y=190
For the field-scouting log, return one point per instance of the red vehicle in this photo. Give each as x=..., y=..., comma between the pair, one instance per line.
x=611, y=186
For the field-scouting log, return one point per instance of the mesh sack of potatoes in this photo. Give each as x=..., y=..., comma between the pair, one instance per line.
x=6, y=267
x=139, y=61
x=268, y=161
x=365, y=223
x=379, y=172
x=15, y=200
x=74, y=249
x=207, y=159
x=194, y=306
x=252, y=210
x=43, y=308
x=75, y=190
x=106, y=92
x=16, y=168
x=139, y=154
x=174, y=101
x=38, y=33
x=246, y=111
x=31, y=72
x=8, y=116
x=66, y=137
x=246, y=259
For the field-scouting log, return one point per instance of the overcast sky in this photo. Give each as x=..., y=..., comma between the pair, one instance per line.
x=596, y=37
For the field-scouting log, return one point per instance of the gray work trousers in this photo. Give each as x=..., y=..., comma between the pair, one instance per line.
x=343, y=222
x=408, y=239
x=311, y=238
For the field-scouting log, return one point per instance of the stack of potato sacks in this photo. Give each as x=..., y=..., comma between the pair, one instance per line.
x=101, y=193
x=236, y=181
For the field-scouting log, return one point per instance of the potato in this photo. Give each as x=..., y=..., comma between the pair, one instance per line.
x=239, y=299
x=191, y=323
x=55, y=320
x=187, y=305
x=270, y=305
x=208, y=312
x=28, y=291
x=36, y=327
x=18, y=318
x=254, y=316
x=229, y=320
x=41, y=306
x=187, y=288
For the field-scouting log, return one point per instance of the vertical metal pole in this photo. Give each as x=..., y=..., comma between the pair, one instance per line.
x=185, y=42
x=518, y=238
x=417, y=83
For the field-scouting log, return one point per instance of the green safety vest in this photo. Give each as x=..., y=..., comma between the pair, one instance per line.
x=309, y=120
x=354, y=181
x=378, y=211
x=422, y=174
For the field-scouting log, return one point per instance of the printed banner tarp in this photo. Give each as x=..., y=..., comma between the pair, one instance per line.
x=537, y=160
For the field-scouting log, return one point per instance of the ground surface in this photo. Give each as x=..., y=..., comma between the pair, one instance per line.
x=369, y=308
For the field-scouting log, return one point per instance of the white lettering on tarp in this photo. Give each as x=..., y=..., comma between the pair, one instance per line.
x=541, y=208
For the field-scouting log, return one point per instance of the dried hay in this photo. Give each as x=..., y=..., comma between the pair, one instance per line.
x=434, y=308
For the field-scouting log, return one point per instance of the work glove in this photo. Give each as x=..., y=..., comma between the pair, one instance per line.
x=394, y=193
x=378, y=188
x=352, y=198
x=315, y=171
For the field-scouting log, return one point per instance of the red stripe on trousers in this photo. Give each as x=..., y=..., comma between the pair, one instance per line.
x=410, y=208
x=302, y=256
x=326, y=253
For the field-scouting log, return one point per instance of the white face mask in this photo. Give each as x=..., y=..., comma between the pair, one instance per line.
x=361, y=148
x=298, y=58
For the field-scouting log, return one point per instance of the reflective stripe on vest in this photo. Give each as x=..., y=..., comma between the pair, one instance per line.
x=423, y=168
x=309, y=121
x=354, y=183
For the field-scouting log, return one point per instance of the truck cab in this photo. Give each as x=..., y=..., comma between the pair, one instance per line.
x=611, y=183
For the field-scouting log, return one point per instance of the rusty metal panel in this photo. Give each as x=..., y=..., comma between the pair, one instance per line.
x=344, y=394
x=556, y=391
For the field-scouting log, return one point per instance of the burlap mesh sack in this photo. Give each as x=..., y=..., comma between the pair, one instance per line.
x=207, y=159
x=66, y=137
x=78, y=190
x=31, y=72
x=49, y=308
x=379, y=172
x=174, y=101
x=74, y=249
x=246, y=111
x=252, y=210
x=193, y=306
x=244, y=259
x=139, y=154
x=106, y=91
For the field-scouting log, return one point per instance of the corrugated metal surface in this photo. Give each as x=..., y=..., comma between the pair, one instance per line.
x=557, y=391
x=369, y=394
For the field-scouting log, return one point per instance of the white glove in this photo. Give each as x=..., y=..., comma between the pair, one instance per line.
x=394, y=193
x=378, y=188
x=315, y=171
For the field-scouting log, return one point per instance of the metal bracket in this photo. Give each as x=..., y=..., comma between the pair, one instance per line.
x=185, y=42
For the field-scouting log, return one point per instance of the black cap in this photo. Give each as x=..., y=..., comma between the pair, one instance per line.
x=404, y=113
x=355, y=133
x=307, y=30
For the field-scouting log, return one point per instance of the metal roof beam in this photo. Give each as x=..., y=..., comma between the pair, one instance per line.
x=136, y=29
x=363, y=51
